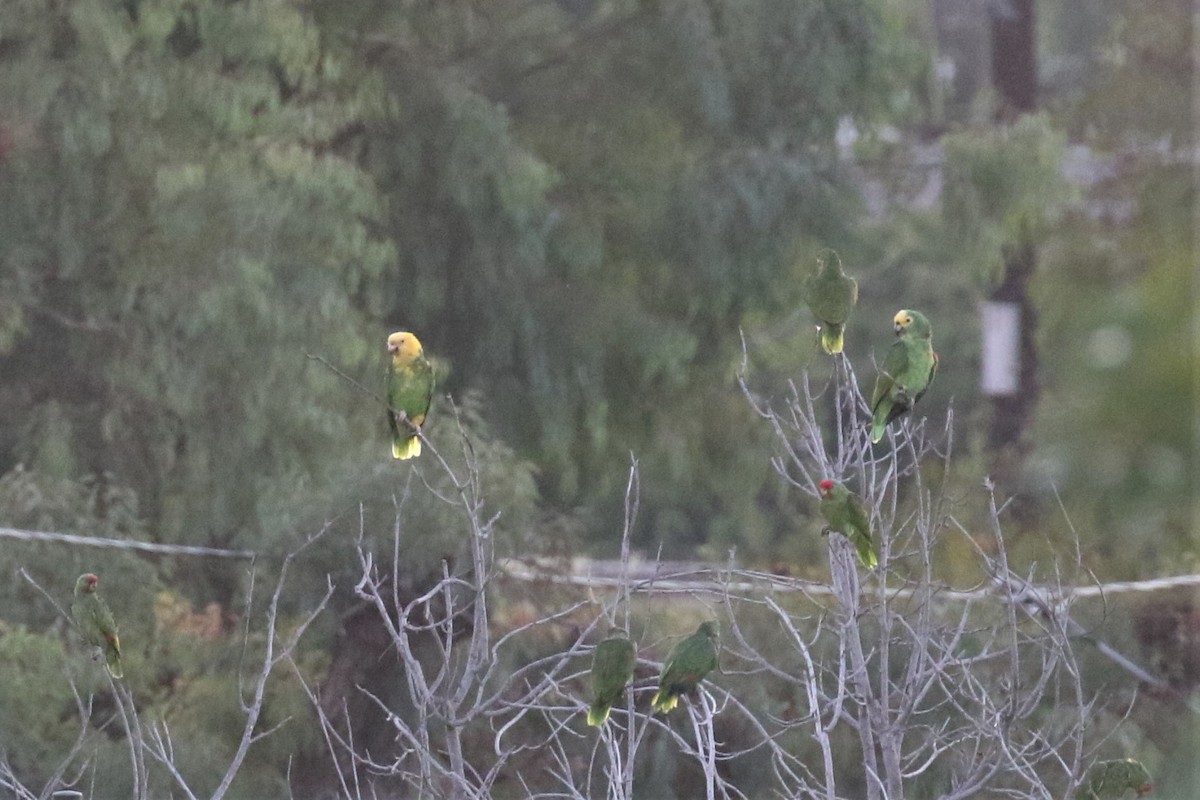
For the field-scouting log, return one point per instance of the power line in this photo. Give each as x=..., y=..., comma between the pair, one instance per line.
x=123, y=544
x=692, y=577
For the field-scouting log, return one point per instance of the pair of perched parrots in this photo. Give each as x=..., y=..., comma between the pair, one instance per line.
x=911, y=362
x=907, y=371
x=688, y=663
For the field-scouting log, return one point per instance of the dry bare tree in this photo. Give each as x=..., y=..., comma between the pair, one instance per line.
x=945, y=691
x=155, y=740
x=880, y=683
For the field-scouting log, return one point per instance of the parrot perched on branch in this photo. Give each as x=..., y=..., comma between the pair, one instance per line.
x=907, y=371
x=844, y=512
x=687, y=664
x=831, y=294
x=96, y=622
x=1110, y=780
x=612, y=670
x=409, y=393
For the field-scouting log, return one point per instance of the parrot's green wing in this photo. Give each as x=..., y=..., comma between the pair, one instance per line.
x=1110, y=780
x=861, y=534
x=688, y=663
x=96, y=622
x=612, y=669
x=895, y=365
x=410, y=390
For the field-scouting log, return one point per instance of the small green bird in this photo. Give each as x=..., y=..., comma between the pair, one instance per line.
x=1110, y=780
x=831, y=295
x=687, y=664
x=612, y=670
x=907, y=371
x=409, y=393
x=96, y=622
x=844, y=512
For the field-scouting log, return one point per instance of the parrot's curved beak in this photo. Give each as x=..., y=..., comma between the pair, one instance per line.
x=393, y=349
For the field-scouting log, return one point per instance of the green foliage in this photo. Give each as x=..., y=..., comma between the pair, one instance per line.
x=588, y=263
x=178, y=246
x=1003, y=189
x=95, y=507
x=1129, y=487
x=1117, y=426
x=1135, y=63
x=38, y=725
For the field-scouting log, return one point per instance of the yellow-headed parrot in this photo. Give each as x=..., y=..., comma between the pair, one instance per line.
x=907, y=371
x=409, y=392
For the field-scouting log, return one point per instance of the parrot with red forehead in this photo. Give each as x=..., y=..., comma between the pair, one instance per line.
x=96, y=622
x=844, y=513
x=1110, y=780
x=908, y=369
x=831, y=294
x=409, y=393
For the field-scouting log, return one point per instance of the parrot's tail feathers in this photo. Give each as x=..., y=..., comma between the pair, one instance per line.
x=113, y=662
x=878, y=426
x=406, y=448
x=598, y=714
x=664, y=700
x=866, y=555
x=832, y=337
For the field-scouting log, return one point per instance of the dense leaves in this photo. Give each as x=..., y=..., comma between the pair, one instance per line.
x=581, y=207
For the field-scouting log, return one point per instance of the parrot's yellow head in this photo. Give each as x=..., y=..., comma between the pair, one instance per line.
x=911, y=323
x=404, y=348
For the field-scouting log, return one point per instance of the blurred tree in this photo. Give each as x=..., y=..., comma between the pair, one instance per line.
x=1015, y=78
x=174, y=238
x=588, y=206
x=1116, y=435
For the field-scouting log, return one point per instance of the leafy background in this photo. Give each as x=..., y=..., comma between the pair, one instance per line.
x=584, y=208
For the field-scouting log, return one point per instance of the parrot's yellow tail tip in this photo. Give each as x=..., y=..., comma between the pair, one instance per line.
x=664, y=704
x=832, y=338
x=407, y=449
x=597, y=716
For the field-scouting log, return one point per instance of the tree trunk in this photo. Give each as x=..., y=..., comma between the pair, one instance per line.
x=1011, y=414
x=1014, y=58
x=1014, y=76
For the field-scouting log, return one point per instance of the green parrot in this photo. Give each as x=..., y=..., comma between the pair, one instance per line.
x=612, y=670
x=96, y=622
x=1110, y=780
x=907, y=371
x=409, y=392
x=831, y=295
x=844, y=512
x=687, y=664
